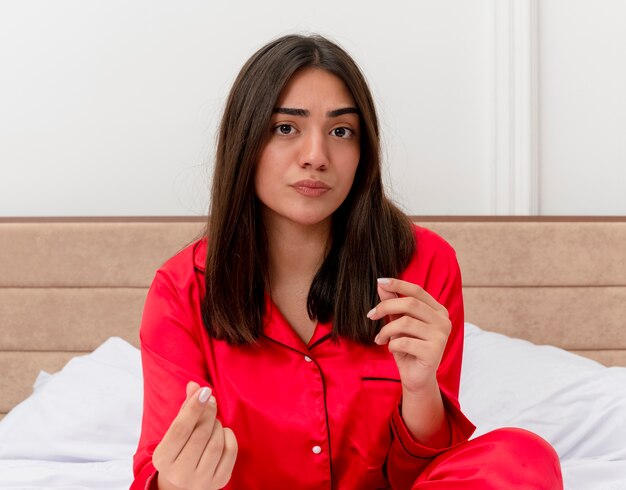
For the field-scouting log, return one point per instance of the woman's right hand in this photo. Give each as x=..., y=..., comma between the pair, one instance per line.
x=196, y=452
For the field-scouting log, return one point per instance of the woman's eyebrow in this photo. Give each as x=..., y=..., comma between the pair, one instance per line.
x=291, y=112
x=305, y=112
x=342, y=111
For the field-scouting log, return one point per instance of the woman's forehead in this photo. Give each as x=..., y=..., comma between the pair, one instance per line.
x=315, y=86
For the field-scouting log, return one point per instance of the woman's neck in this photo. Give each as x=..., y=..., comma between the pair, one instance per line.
x=295, y=252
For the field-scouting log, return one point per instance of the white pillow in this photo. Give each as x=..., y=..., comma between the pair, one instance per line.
x=88, y=411
x=576, y=404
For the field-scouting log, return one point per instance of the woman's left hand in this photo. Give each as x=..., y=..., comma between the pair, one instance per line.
x=417, y=331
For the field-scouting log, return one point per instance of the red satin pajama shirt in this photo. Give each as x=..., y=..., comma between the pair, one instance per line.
x=318, y=416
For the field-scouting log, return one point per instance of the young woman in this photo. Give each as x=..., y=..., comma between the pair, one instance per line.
x=313, y=338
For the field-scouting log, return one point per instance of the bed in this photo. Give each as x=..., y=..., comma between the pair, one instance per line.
x=545, y=340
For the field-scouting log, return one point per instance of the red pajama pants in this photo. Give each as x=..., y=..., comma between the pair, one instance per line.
x=499, y=460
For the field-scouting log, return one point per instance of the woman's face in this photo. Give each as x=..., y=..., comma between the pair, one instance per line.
x=306, y=167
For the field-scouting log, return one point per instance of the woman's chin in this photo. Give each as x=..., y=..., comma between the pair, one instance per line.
x=306, y=220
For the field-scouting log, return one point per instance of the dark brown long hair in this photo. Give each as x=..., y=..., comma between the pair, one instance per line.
x=371, y=238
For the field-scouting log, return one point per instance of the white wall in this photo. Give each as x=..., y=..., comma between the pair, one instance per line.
x=110, y=107
x=583, y=107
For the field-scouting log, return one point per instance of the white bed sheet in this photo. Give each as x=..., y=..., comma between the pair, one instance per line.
x=31, y=474
x=79, y=428
x=576, y=404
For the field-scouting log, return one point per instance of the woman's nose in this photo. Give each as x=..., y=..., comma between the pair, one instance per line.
x=314, y=151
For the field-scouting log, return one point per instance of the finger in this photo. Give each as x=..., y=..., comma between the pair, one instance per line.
x=224, y=468
x=212, y=453
x=420, y=349
x=189, y=457
x=385, y=295
x=406, y=288
x=191, y=388
x=182, y=426
x=410, y=327
x=398, y=307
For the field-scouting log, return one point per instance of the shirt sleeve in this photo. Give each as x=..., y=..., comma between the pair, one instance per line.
x=171, y=357
x=407, y=458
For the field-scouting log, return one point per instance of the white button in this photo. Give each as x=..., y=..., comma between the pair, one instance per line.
x=317, y=449
x=308, y=359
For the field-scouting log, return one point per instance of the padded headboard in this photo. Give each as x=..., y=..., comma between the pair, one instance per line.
x=66, y=285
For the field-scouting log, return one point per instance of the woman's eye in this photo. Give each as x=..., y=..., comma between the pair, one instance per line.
x=284, y=129
x=343, y=132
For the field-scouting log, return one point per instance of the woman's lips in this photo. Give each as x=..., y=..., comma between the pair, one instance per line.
x=311, y=188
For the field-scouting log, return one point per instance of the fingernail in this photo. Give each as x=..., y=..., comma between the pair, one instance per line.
x=212, y=400
x=204, y=395
x=383, y=280
x=370, y=313
x=376, y=339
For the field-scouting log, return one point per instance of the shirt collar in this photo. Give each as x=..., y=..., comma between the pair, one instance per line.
x=276, y=327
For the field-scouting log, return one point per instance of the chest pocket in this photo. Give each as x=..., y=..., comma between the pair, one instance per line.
x=381, y=391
